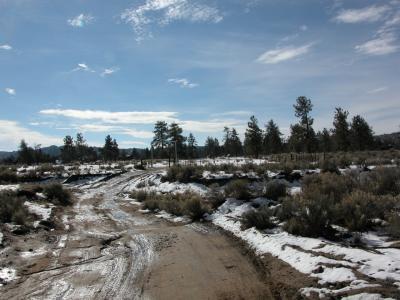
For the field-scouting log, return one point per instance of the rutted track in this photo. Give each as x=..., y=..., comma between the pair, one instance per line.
x=108, y=250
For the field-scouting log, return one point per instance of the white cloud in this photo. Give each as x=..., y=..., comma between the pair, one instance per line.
x=378, y=90
x=211, y=126
x=164, y=12
x=109, y=71
x=11, y=133
x=131, y=117
x=5, y=47
x=81, y=20
x=10, y=91
x=83, y=67
x=131, y=144
x=137, y=133
x=283, y=54
x=115, y=129
x=240, y=113
x=183, y=82
x=367, y=14
x=383, y=44
x=303, y=27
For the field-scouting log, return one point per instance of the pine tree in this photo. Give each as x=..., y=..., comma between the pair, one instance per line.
x=160, y=139
x=81, y=148
x=362, y=136
x=175, y=136
x=68, y=150
x=296, y=139
x=211, y=147
x=25, y=153
x=324, y=140
x=272, y=139
x=253, y=138
x=235, y=144
x=110, y=149
x=341, y=131
x=303, y=108
x=191, y=146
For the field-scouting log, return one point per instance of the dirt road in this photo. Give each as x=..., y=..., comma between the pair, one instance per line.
x=108, y=250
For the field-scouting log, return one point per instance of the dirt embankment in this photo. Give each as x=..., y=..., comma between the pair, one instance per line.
x=106, y=249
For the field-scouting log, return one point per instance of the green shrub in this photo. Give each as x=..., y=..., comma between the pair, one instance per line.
x=329, y=165
x=394, y=225
x=288, y=208
x=173, y=205
x=12, y=208
x=152, y=203
x=313, y=217
x=183, y=174
x=329, y=184
x=8, y=176
x=238, y=189
x=260, y=219
x=56, y=194
x=275, y=189
x=357, y=210
x=381, y=181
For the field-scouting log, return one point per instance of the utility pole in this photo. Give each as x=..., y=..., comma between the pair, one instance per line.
x=151, y=161
x=176, y=154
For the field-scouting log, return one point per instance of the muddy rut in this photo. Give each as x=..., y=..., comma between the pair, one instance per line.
x=109, y=250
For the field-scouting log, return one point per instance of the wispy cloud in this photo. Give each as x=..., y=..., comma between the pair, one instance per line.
x=283, y=54
x=5, y=47
x=143, y=134
x=183, y=82
x=108, y=71
x=81, y=20
x=83, y=67
x=385, y=43
x=10, y=91
x=164, y=12
x=131, y=117
x=378, y=90
x=367, y=14
x=133, y=144
x=239, y=113
x=12, y=132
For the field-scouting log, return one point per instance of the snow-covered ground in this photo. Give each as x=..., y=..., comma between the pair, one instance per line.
x=9, y=187
x=327, y=261
x=152, y=183
x=7, y=274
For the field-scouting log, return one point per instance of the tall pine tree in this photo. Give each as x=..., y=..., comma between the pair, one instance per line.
x=341, y=131
x=253, y=138
x=362, y=136
x=273, y=138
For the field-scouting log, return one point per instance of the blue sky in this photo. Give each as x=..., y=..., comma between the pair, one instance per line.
x=116, y=67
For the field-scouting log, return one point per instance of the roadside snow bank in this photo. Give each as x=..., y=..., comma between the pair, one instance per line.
x=41, y=210
x=311, y=256
x=7, y=274
x=9, y=187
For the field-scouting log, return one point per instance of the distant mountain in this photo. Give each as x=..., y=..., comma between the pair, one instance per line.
x=53, y=151
x=390, y=140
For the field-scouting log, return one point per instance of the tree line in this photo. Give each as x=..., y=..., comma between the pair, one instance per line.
x=346, y=135
x=169, y=142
